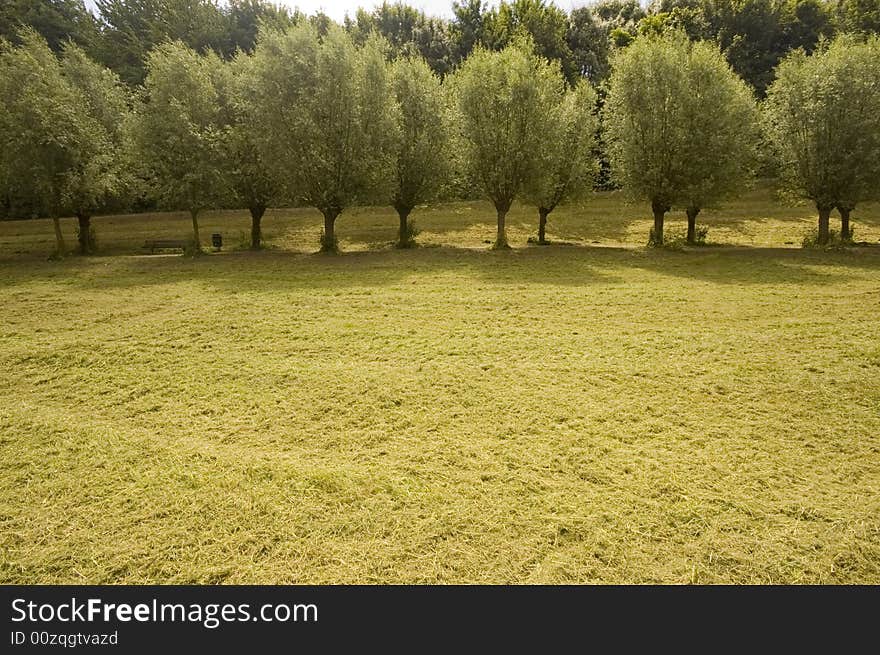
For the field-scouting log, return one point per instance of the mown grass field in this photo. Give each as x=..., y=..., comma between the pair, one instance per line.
x=446, y=414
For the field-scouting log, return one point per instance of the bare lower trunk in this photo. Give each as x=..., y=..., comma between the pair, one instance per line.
x=84, y=237
x=501, y=237
x=543, y=212
x=60, y=248
x=659, y=214
x=845, y=234
x=404, y=238
x=328, y=239
x=824, y=221
x=692, y=213
x=197, y=242
x=256, y=231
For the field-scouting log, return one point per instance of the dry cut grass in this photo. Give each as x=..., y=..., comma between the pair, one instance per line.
x=546, y=415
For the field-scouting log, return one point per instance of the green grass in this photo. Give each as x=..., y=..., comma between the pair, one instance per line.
x=758, y=219
x=447, y=414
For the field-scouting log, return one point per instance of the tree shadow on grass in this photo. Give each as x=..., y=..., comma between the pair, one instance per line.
x=745, y=265
x=568, y=266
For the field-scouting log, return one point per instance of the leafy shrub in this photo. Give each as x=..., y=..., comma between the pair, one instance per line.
x=700, y=235
x=673, y=239
x=811, y=239
x=676, y=239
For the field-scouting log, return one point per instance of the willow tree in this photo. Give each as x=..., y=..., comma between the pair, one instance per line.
x=646, y=115
x=327, y=119
x=823, y=117
x=859, y=81
x=721, y=127
x=422, y=164
x=504, y=100
x=104, y=173
x=567, y=163
x=251, y=181
x=178, y=131
x=47, y=138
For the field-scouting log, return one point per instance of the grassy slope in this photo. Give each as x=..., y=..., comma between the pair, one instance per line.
x=561, y=414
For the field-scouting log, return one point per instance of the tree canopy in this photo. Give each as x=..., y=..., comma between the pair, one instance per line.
x=53, y=148
x=251, y=181
x=423, y=161
x=567, y=163
x=823, y=117
x=179, y=131
x=646, y=122
x=328, y=119
x=504, y=101
x=680, y=125
x=754, y=35
x=104, y=172
x=721, y=126
x=57, y=21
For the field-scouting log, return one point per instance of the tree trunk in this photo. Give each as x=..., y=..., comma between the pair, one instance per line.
x=85, y=240
x=501, y=237
x=542, y=224
x=844, y=223
x=692, y=224
x=328, y=240
x=197, y=242
x=824, y=219
x=659, y=214
x=404, y=238
x=256, y=232
x=60, y=248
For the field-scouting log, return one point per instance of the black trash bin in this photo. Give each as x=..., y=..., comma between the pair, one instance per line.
x=217, y=241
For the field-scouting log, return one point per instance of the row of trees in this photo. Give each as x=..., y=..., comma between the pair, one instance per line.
x=753, y=34
x=311, y=118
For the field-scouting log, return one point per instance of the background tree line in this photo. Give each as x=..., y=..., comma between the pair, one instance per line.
x=754, y=35
x=329, y=116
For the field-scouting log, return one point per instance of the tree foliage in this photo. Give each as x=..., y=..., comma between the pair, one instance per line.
x=857, y=16
x=104, y=172
x=423, y=161
x=179, y=131
x=588, y=42
x=721, y=124
x=567, y=163
x=467, y=28
x=408, y=31
x=543, y=22
x=327, y=117
x=130, y=29
x=754, y=35
x=251, y=182
x=58, y=129
x=823, y=116
x=57, y=21
x=504, y=100
x=646, y=122
x=679, y=125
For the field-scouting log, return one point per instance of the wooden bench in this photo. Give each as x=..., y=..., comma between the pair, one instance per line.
x=166, y=244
